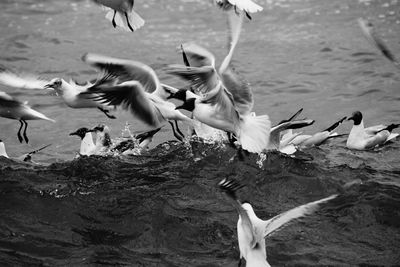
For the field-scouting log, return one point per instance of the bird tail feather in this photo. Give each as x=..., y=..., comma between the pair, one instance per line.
x=254, y=133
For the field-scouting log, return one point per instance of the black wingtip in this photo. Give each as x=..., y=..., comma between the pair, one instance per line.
x=230, y=186
x=335, y=125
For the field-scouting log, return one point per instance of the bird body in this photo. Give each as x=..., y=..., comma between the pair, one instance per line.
x=3, y=151
x=122, y=14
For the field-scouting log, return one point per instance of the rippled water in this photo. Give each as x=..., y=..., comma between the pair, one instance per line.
x=163, y=208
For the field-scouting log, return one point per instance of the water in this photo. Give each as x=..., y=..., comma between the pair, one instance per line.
x=162, y=208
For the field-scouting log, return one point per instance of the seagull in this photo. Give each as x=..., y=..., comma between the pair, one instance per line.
x=13, y=109
x=275, y=142
x=361, y=138
x=316, y=139
x=140, y=143
x=71, y=92
x=27, y=157
x=223, y=100
x=122, y=14
x=103, y=141
x=252, y=231
x=368, y=30
x=136, y=87
x=87, y=147
x=246, y=6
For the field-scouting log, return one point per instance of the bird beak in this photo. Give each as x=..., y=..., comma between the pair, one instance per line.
x=350, y=119
x=171, y=95
x=48, y=86
x=74, y=133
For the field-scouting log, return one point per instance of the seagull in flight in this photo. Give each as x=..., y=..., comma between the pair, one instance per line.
x=122, y=14
x=246, y=6
x=135, y=87
x=71, y=92
x=252, y=231
x=222, y=99
x=369, y=32
x=13, y=109
x=361, y=138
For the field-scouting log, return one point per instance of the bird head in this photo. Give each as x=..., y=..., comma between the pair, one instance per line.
x=81, y=132
x=102, y=135
x=180, y=94
x=55, y=84
x=188, y=105
x=356, y=117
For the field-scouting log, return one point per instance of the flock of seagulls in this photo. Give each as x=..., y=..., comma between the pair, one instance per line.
x=220, y=101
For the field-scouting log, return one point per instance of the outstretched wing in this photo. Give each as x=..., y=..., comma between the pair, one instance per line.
x=116, y=71
x=8, y=101
x=274, y=138
x=130, y=96
x=282, y=219
x=197, y=56
x=203, y=79
x=23, y=80
x=240, y=90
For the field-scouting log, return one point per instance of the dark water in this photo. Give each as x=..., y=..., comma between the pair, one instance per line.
x=162, y=208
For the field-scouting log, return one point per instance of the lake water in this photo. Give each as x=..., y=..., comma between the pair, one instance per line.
x=163, y=208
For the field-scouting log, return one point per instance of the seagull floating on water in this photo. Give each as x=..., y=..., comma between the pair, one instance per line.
x=122, y=14
x=27, y=157
x=13, y=109
x=252, y=231
x=87, y=146
x=361, y=138
x=305, y=140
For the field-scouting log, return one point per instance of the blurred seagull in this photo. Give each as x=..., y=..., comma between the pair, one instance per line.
x=318, y=138
x=122, y=14
x=87, y=147
x=361, y=138
x=73, y=94
x=246, y=6
x=13, y=109
x=252, y=231
x=136, y=87
x=103, y=140
x=369, y=33
x=70, y=92
x=223, y=100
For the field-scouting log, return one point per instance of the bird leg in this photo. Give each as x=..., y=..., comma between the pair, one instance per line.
x=232, y=139
x=179, y=137
x=240, y=262
x=113, y=19
x=127, y=21
x=106, y=112
x=19, y=132
x=26, y=126
x=178, y=130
